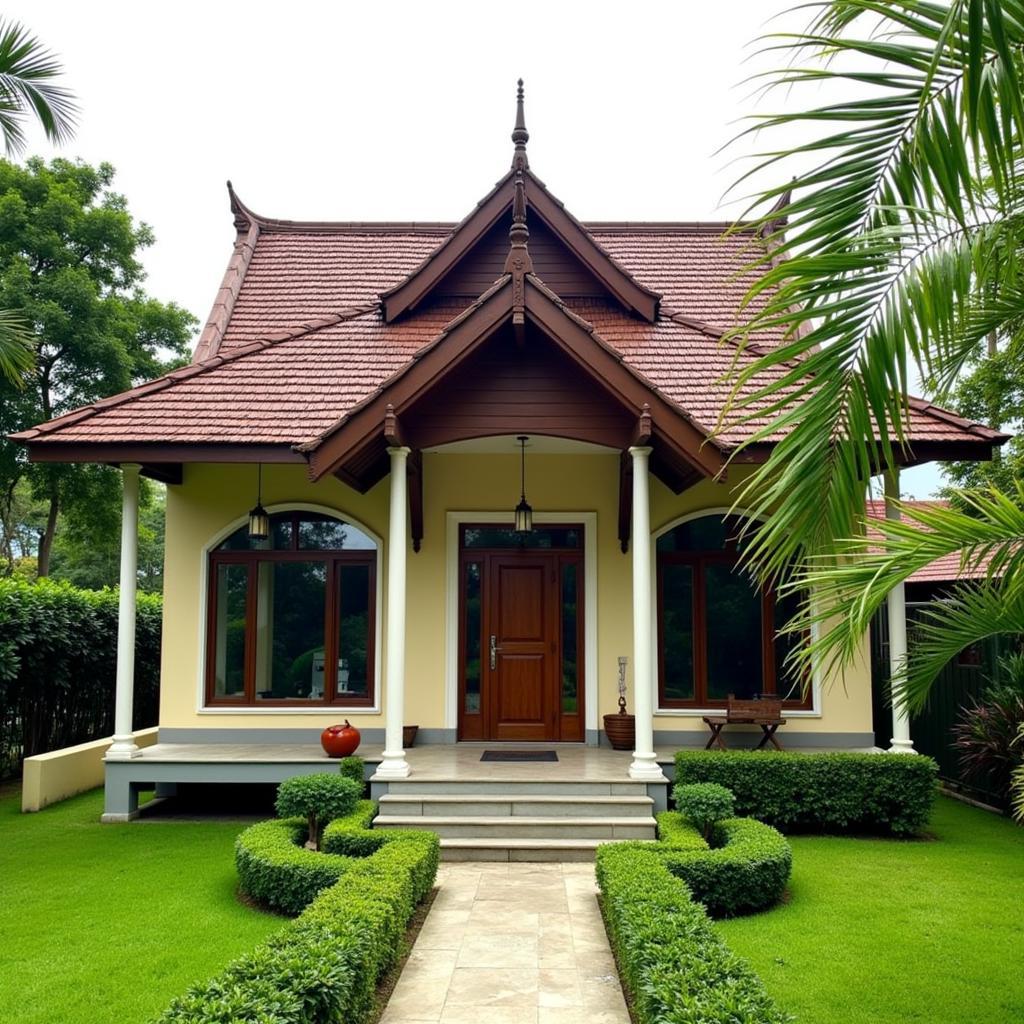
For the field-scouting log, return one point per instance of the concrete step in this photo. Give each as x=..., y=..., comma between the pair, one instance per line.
x=520, y=849
x=512, y=787
x=522, y=827
x=530, y=805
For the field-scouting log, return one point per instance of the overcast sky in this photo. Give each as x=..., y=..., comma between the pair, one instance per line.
x=399, y=111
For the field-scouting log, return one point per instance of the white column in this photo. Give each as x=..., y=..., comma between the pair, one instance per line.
x=645, y=765
x=897, y=607
x=394, y=764
x=123, y=748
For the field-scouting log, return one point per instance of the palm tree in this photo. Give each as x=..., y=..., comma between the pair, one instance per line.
x=27, y=91
x=896, y=238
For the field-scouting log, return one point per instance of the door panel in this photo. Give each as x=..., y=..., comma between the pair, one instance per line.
x=521, y=677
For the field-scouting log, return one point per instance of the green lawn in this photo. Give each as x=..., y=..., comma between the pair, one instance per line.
x=106, y=923
x=888, y=931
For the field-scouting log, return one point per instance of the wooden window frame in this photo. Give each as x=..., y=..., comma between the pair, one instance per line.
x=698, y=561
x=333, y=559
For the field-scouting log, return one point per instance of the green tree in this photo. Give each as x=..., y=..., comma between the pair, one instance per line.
x=69, y=265
x=27, y=90
x=896, y=231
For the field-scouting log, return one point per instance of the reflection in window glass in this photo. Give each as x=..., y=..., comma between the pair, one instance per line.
x=677, y=630
x=290, y=640
x=733, y=633
x=229, y=647
x=473, y=638
x=354, y=607
x=788, y=682
x=325, y=533
x=570, y=633
x=540, y=537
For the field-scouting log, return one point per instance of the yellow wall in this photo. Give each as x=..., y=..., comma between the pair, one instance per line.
x=211, y=498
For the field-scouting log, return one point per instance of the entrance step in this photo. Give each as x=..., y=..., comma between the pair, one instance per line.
x=510, y=787
x=510, y=826
x=520, y=849
x=529, y=805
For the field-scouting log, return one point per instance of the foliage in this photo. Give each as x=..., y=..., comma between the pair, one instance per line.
x=58, y=650
x=318, y=798
x=1017, y=782
x=880, y=793
x=70, y=267
x=677, y=969
x=986, y=734
x=704, y=804
x=324, y=967
x=894, y=244
x=354, y=768
x=745, y=870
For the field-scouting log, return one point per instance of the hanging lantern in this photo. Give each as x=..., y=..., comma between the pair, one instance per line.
x=524, y=514
x=259, y=521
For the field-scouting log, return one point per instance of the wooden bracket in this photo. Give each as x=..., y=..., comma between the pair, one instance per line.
x=625, y=499
x=644, y=428
x=414, y=475
x=392, y=430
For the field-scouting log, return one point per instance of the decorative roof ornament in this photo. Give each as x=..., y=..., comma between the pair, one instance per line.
x=520, y=136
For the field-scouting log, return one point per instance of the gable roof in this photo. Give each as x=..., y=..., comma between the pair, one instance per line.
x=301, y=338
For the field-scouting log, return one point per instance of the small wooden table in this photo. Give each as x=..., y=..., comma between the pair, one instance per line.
x=765, y=713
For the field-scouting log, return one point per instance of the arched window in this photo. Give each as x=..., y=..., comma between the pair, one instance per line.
x=717, y=629
x=283, y=610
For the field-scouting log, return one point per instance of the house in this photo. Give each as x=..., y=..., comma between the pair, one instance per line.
x=398, y=398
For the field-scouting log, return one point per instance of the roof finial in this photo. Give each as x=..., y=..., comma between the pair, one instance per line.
x=520, y=136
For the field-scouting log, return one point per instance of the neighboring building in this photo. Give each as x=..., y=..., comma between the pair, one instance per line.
x=368, y=383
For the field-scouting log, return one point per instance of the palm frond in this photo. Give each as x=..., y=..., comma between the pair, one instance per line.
x=17, y=347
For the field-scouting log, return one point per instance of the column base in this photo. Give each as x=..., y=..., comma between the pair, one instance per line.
x=122, y=749
x=901, y=746
x=645, y=766
x=394, y=765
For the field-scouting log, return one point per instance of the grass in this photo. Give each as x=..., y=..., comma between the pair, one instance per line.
x=890, y=931
x=107, y=923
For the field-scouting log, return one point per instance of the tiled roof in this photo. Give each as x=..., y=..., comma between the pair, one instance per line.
x=943, y=570
x=297, y=338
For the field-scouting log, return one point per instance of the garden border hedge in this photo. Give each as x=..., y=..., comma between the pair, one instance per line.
x=887, y=794
x=323, y=967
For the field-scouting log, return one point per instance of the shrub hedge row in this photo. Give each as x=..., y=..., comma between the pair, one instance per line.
x=58, y=654
x=744, y=872
x=675, y=966
x=890, y=794
x=324, y=967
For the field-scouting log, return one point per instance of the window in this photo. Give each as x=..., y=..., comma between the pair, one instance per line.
x=282, y=610
x=717, y=630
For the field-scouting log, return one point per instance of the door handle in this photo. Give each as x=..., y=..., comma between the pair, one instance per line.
x=494, y=651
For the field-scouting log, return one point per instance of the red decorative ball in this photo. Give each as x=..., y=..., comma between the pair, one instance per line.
x=340, y=740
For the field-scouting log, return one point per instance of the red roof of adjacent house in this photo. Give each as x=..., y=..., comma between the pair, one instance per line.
x=943, y=570
x=298, y=336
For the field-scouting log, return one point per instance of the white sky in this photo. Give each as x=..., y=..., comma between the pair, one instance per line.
x=398, y=111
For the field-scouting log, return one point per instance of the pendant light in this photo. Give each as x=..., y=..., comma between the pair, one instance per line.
x=259, y=521
x=524, y=514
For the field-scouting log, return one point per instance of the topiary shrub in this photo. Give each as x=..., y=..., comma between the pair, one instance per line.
x=319, y=799
x=889, y=794
x=354, y=768
x=704, y=804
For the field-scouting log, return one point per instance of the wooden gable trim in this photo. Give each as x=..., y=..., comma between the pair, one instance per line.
x=409, y=293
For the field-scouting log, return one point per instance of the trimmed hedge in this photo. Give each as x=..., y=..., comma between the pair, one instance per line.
x=744, y=872
x=676, y=967
x=58, y=654
x=890, y=794
x=324, y=967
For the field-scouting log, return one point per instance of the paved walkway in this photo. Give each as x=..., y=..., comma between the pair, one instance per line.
x=511, y=944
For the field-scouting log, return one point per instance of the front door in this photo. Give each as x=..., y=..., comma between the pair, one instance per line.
x=521, y=633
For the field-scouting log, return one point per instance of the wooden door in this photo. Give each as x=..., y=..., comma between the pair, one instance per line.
x=520, y=676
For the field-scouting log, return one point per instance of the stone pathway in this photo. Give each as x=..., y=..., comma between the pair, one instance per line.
x=511, y=944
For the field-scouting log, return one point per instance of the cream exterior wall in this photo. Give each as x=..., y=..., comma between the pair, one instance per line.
x=213, y=497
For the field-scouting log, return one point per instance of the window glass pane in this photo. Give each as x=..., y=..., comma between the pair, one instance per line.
x=545, y=537
x=280, y=536
x=733, y=633
x=677, y=630
x=788, y=683
x=325, y=533
x=290, y=630
x=229, y=640
x=708, y=533
x=570, y=633
x=472, y=639
x=355, y=606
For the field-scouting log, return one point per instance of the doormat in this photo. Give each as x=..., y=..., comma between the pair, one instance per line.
x=519, y=755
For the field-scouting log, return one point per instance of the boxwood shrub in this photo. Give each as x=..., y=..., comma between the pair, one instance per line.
x=675, y=966
x=323, y=967
x=890, y=794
